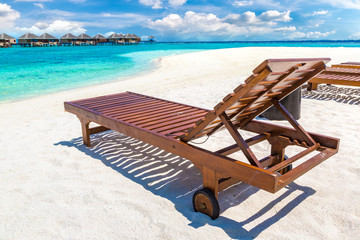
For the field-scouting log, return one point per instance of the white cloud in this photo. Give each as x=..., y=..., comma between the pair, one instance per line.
x=40, y=5
x=266, y=18
x=355, y=36
x=286, y=29
x=155, y=4
x=310, y=35
x=322, y=12
x=158, y=4
x=77, y=1
x=199, y=26
x=349, y=4
x=108, y=34
x=177, y=2
x=242, y=3
x=275, y=16
x=8, y=17
x=57, y=27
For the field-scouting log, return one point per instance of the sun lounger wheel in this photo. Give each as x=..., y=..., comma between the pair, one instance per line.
x=204, y=201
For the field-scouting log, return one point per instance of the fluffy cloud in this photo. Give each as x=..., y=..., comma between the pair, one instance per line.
x=177, y=2
x=349, y=4
x=193, y=25
x=58, y=28
x=266, y=18
x=310, y=35
x=158, y=4
x=267, y=3
x=242, y=3
x=355, y=36
x=322, y=12
x=7, y=16
x=286, y=29
x=155, y=4
x=199, y=26
x=40, y=5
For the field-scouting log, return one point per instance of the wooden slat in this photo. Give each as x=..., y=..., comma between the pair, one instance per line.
x=158, y=117
x=137, y=107
x=172, y=126
x=150, y=111
x=99, y=101
x=122, y=104
x=252, y=81
x=240, y=141
x=171, y=121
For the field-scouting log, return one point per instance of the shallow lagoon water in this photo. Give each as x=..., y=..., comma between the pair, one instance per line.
x=27, y=72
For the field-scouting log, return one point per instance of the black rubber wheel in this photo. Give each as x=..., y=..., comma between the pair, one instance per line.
x=204, y=201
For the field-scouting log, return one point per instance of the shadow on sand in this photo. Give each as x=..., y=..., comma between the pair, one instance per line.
x=176, y=179
x=337, y=94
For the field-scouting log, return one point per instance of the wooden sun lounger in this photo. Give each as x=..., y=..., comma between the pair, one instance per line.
x=346, y=74
x=171, y=126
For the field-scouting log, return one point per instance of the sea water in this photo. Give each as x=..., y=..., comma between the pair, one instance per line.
x=28, y=72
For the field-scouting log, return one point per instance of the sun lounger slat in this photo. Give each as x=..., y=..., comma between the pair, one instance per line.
x=134, y=107
x=125, y=115
x=156, y=117
x=171, y=120
x=100, y=98
x=122, y=104
x=182, y=128
x=116, y=97
x=162, y=113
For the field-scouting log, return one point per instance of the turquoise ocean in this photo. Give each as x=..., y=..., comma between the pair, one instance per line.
x=28, y=72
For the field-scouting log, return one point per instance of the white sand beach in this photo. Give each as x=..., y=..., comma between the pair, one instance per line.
x=53, y=187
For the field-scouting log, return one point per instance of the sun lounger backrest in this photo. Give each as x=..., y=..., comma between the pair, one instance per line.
x=273, y=79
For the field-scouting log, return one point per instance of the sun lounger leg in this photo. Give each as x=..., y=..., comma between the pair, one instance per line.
x=312, y=86
x=205, y=199
x=278, y=150
x=210, y=180
x=85, y=131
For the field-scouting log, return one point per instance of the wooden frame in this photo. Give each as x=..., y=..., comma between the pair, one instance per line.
x=346, y=74
x=171, y=126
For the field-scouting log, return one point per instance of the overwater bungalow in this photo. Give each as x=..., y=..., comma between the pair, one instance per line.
x=100, y=39
x=151, y=39
x=121, y=38
x=116, y=38
x=6, y=40
x=29, y=40
x=85, y=40
x=131, y=39
x=68, y=40
x=48, y=40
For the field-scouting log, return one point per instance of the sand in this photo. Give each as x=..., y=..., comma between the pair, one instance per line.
x=52, y=187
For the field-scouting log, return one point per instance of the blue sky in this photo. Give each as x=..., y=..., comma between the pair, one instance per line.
x=186, y=20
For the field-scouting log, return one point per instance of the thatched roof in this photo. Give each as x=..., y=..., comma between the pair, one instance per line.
x=47, y=36
x=68, y=36
x=84, y=36
x=4, y=36
x=131, y=36
x=99, y=36
x=29, y=36
x=114, y=35
x=121, y=35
